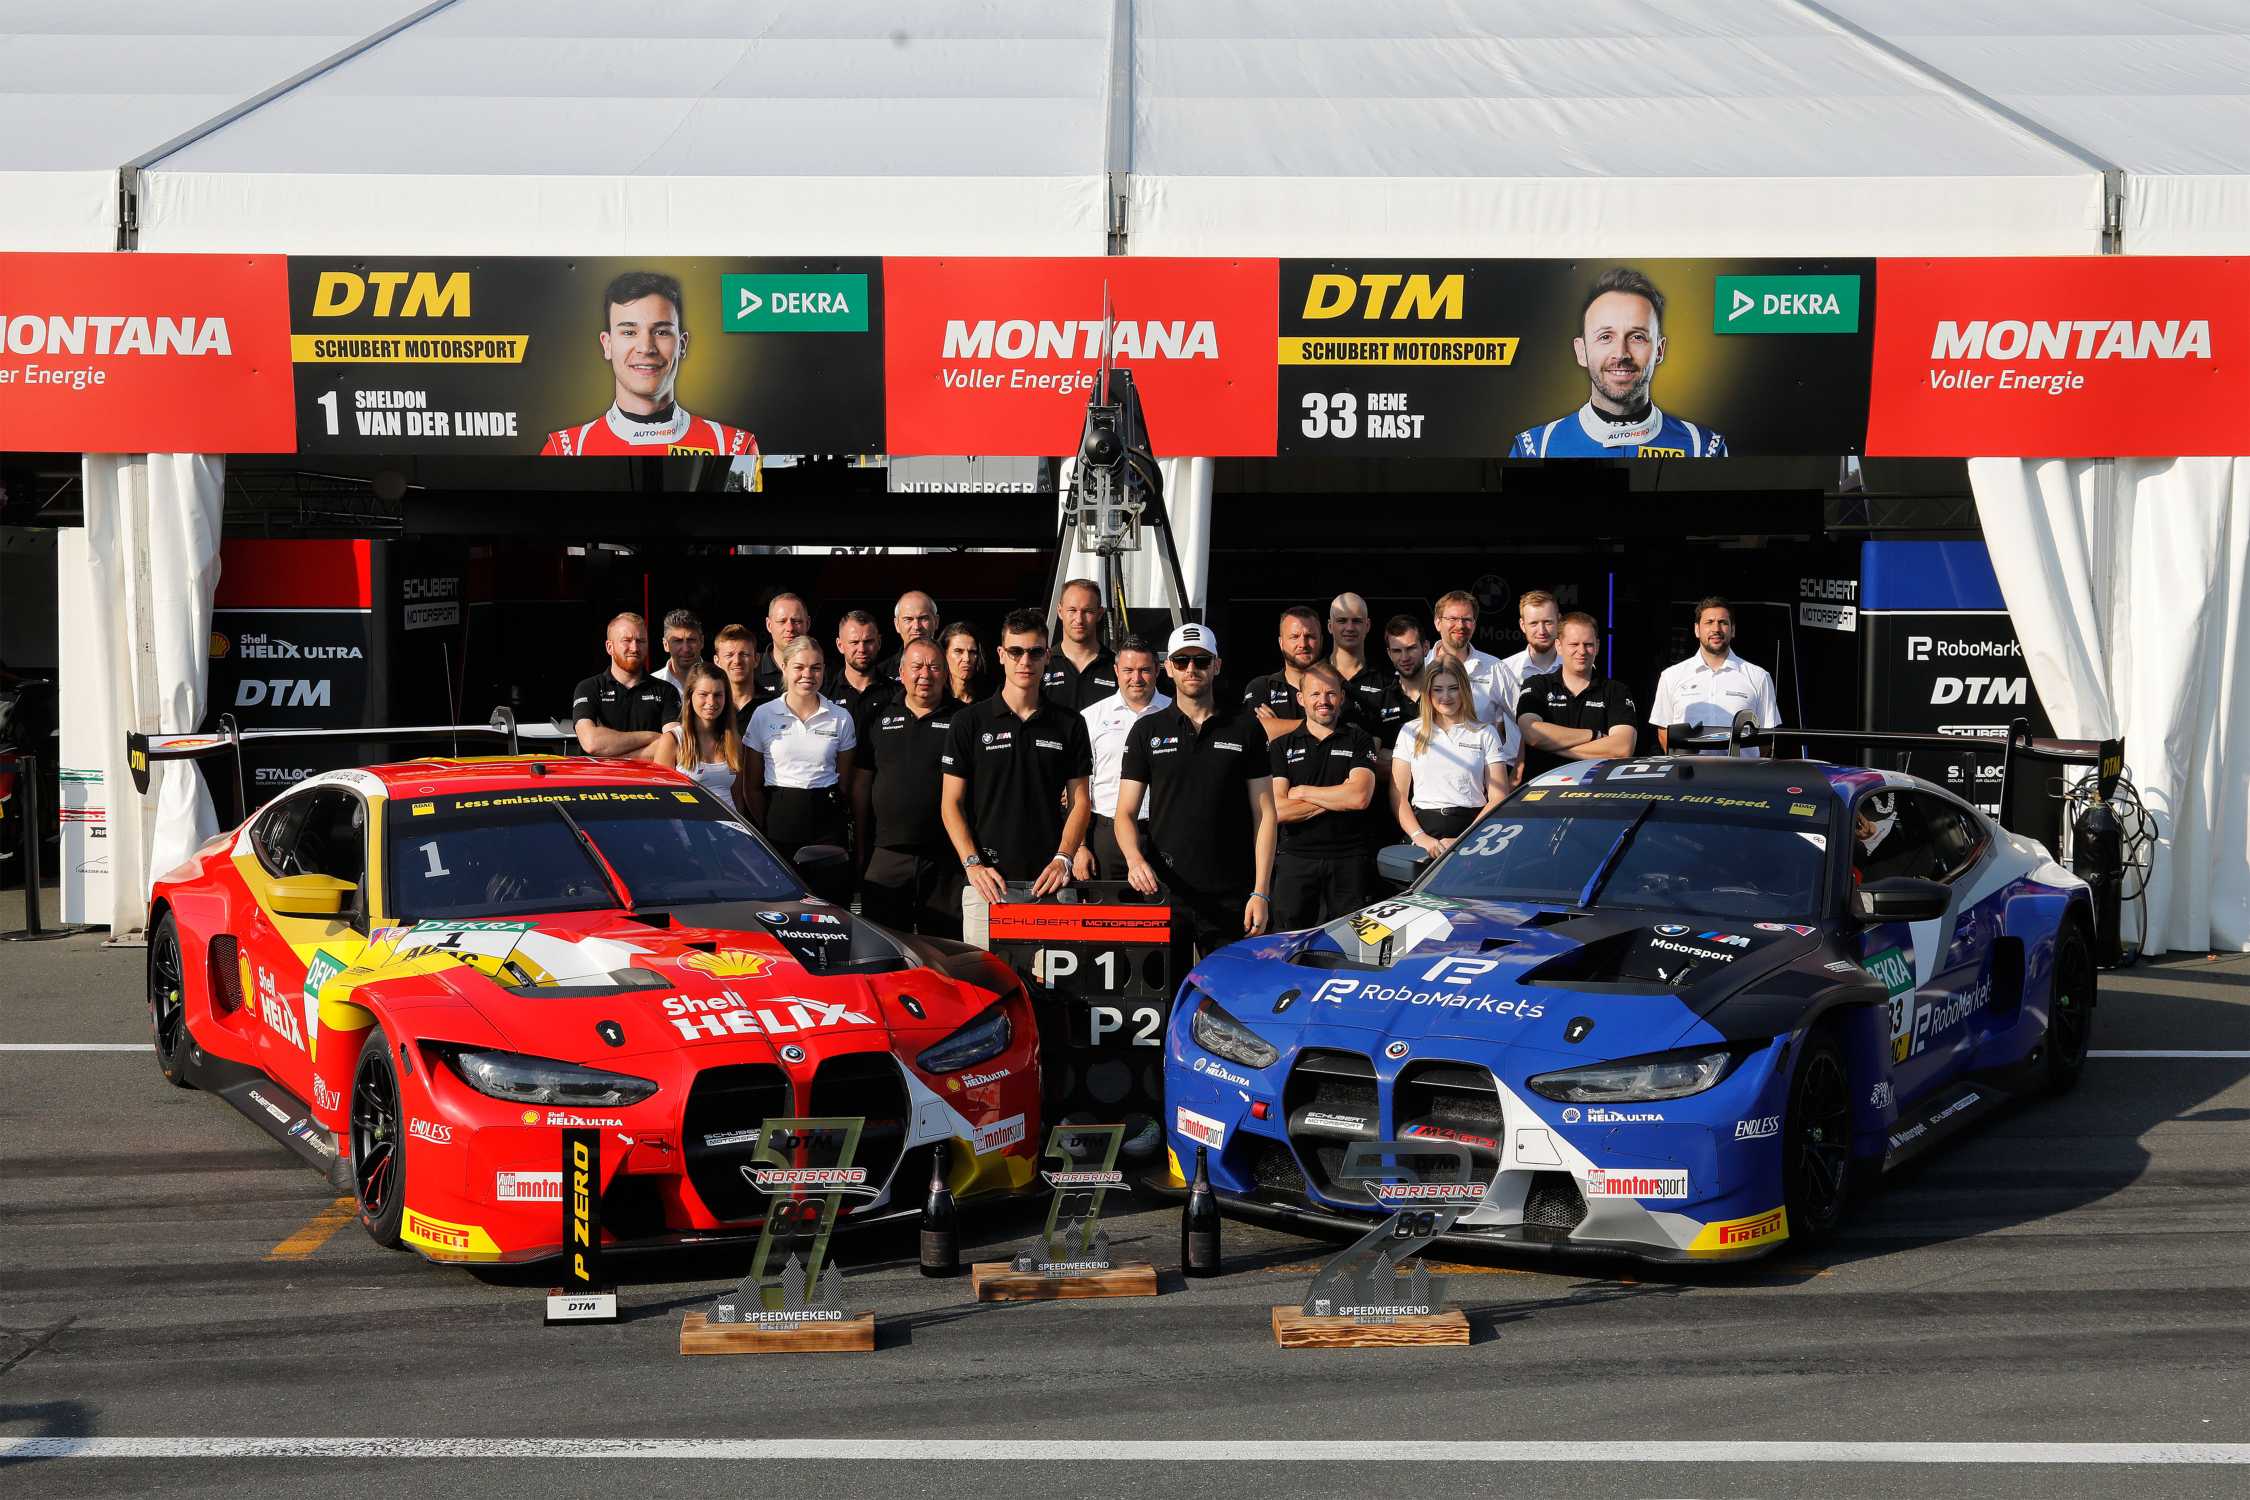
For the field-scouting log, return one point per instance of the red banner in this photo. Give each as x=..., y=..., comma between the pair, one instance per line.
x=2112, y=356
x=999, y=356
x=145, y=354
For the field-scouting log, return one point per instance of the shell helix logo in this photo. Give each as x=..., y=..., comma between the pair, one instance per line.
x=728, y=963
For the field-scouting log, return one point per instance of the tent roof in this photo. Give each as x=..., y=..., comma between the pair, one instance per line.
x=1489, y=127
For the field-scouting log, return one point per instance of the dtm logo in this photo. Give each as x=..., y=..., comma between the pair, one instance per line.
x=1985, y=690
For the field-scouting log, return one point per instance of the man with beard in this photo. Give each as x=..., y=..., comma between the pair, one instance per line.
x=1456, y=622
x=1708, y=689
x=620, y=709
x=1079, y=672
x=855, y=687
x=1271, y=698
x=910, y=880
x=1620, y=344
x=644, y=338
x=1323, y=785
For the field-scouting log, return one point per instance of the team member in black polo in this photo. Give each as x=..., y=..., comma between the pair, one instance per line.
x=1272, y=697
x=1366, y=679
x=786, y=619
x=1016, y=766
x=621, y=710
x=1574, y=714
x=1203, y=769
x=1323, y=784
x=1080, y=673
x=854, y=686
x=1405, y=645
x=911, y=879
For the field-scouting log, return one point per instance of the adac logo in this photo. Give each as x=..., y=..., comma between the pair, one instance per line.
x=728, y=963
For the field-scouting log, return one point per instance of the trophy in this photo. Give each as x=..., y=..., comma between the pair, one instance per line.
x=1071, y=1257
x=1369, y=1296
x=793, y=1297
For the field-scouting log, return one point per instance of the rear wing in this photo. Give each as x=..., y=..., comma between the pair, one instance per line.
x=145, y=750
x=2034, y=773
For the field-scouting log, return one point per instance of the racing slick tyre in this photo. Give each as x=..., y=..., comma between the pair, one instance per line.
x=167, y=1002
x=2070, y=1011
x=1816, y=1143
x=378, y=1127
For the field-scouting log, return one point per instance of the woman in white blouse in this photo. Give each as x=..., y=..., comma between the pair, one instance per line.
x=1447, y=767
x=799, y=757
x=706, y=740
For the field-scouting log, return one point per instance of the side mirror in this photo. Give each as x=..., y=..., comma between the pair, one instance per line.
x=1400, y=864
x=827, y=871
x=1902, y=898
x=310, y=895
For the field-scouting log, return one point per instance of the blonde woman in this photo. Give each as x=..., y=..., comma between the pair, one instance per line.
x=1447, y=768
x=798, y=756
x=706, y=740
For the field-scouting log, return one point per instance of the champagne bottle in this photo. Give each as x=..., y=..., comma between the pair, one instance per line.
x=1199, y=1222
x=941, y=1224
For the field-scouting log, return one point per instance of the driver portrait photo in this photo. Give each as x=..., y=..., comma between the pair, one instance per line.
x=1620, y=344
x=644, y=340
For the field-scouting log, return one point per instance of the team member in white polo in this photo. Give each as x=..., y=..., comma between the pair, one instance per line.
x=1712, y=686
x=1107, y=724
x=1447, y=767
x=1541, y=618
x=800, y=756
x=1456, y=622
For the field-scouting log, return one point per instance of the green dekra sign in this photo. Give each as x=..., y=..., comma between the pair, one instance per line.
x=825, y=303
x=1785, y=304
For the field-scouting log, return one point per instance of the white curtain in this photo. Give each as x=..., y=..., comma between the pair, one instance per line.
x=152, y=569
x=1148, y=585
x=2128, y=581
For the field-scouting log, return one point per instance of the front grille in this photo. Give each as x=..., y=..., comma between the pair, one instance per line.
x=1275, y=1171
x=226, y=976
x=867, y=1084
x=1337, y=1085
x=1449, y=1102
x=1553, y=1205
x=724, y=1102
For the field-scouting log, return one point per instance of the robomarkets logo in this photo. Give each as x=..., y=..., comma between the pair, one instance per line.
x=1785, y=304
x=794, y=304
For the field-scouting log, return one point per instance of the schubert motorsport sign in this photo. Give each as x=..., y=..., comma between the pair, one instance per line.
x=144, y=353
x=730, y=356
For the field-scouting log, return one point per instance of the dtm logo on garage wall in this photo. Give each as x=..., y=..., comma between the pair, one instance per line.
x=283, y=692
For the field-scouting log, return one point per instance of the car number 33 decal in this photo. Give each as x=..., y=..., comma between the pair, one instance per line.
x=1491, y=839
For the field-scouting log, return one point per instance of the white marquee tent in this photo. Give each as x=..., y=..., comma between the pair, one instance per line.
x=1214, y=127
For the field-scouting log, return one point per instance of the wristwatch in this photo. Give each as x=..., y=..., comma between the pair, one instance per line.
x=972, y=861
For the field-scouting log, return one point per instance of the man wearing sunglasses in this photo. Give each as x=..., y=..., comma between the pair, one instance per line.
x=1203, y=769
x=1015, y=803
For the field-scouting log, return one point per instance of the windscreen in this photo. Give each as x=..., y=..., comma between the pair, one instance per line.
x=498, y=854
x=1761, y=860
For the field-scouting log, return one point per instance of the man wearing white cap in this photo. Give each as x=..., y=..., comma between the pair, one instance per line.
x=1202, y=767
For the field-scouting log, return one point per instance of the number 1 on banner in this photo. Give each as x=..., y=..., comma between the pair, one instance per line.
x=326, y=401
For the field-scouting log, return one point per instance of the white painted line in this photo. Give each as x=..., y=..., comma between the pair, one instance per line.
x=1095, y=1450
x=76, y=1046
x=2164, y=1052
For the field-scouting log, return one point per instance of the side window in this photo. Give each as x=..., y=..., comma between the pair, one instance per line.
x=328, y=836
x=276, y=833
x=1956, y=839
x=1891, y=836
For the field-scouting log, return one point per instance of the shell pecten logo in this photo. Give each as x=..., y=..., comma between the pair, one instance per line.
x=728, y=963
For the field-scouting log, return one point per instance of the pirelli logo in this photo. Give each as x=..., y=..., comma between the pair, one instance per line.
x=1724, y=1236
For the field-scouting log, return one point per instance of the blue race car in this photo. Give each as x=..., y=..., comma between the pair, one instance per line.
x=1678, y=1008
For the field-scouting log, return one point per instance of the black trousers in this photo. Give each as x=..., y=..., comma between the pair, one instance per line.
x=797, y=816
x=1109, y=860
x=910, y=892
x=1309, y=889
x=1446, y=822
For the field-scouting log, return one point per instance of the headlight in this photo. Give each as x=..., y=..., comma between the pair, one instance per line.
x=1663, y=1075
x=541, y=1080
x=986, y=1036
x=1216, y=1031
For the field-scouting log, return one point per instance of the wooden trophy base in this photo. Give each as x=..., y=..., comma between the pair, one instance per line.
x=995, y=1281
x=698, y=1335
x=1294, y=1329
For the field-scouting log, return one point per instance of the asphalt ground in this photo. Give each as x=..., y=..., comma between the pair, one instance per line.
x=2073, y=1275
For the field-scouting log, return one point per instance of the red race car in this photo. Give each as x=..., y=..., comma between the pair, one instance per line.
x=417, y=975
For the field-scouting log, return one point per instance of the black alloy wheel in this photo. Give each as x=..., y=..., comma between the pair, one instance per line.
x=2070, y=1011
x=167, y=1002
x=378, y=1143
x=1816, y=1142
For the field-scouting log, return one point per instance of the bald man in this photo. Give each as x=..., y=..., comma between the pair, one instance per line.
x=1365, y=680
x=915, y=618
